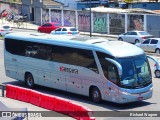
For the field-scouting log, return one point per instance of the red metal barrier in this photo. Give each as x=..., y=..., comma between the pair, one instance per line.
x=48, y=102
x=35, y=98
x=74, y=110
x=79, y=112
x=24, y=94
x=86, y=114
x=61, y=105
x=11, y=91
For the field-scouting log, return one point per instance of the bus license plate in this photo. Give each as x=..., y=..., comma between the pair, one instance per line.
x=139, y=98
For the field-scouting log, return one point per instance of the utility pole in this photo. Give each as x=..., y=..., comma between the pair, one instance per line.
x=90, y=19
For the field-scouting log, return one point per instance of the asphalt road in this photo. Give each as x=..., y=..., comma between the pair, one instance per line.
x=152, y=104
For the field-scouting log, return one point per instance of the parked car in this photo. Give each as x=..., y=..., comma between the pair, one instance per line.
x=157, y=71
x=66, y=30
x=150, y=45
x=5, y=29
x=134, y=36
x=48, y=27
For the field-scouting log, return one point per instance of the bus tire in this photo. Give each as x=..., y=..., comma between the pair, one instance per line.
x=157, y=73
x=96, y=95
x=157, y=51
x=29, y=80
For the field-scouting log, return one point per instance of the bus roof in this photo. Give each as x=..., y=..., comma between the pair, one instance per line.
x=113, y=48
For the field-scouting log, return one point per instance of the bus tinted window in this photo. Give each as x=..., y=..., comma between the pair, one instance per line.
x=55, y=53
x=15, y=47
x=28, y=49
x=109, y=69
x=74, y=56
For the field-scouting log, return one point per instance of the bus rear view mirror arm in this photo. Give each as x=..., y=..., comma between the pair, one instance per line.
x=119, y=67
x=155, y=60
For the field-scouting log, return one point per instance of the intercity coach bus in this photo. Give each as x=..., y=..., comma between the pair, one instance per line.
x=114, y=71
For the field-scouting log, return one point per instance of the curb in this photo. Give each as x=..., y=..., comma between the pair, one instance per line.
x=81, y=33
x=99, y=35
x=24, y=28
x=154, y=54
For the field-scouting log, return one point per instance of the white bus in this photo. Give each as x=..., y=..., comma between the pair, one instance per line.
x=101, y=69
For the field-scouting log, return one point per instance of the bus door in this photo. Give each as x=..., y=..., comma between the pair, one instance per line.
x=114, y=71
x=111, y=88
x=111, y=70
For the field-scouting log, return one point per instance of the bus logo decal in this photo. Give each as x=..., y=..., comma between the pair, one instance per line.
x=69, y=70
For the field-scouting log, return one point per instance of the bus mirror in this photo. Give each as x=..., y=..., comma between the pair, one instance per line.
x=119, y=67
x=155, y=60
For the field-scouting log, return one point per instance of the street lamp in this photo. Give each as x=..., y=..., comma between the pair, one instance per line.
x=90, y=17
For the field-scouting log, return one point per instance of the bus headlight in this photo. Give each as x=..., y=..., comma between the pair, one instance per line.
x=123, y=92
x=151, y=89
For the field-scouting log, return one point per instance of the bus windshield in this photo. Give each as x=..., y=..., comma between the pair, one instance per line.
x=136, y=71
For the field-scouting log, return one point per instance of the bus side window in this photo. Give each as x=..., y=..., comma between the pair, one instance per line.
x=28, y=51
x=88, y=60
x=109, y=70
x=112, y=76
x=74, y=56
x=42, y=51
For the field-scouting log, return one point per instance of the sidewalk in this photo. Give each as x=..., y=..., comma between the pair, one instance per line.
x=15, y=104
x=23, y=25
x=30, y=26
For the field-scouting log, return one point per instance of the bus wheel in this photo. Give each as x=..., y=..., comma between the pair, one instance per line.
x=96, y=95
x=29, y=80
x=157, y=51
x=157, y=73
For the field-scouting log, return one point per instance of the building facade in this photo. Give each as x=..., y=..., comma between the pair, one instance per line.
x=33, y=8
x=68, y=4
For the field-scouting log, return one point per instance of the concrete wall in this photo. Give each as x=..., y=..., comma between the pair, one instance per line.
x=37, y=3
x=26, y=2
x=37, y=15
x=105, y=23
x=153, y=25
x=33, y=10
x=11, y=8
x=100, y=22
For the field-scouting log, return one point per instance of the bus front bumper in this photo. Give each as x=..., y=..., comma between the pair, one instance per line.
x=133, y=97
